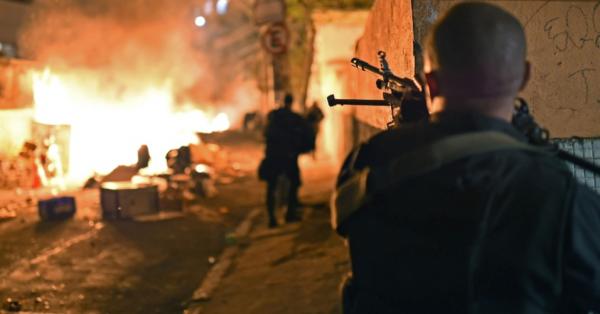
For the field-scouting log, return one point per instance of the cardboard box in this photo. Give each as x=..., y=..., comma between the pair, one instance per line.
x=123, y=200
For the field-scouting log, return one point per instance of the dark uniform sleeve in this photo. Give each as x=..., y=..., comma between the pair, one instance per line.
x=582, y=259
x=356, y=160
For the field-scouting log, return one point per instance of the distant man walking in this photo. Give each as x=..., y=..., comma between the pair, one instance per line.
x=287, y=135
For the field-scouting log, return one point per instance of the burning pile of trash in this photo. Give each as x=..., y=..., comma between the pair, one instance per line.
x=149, y=87
x=127, y=191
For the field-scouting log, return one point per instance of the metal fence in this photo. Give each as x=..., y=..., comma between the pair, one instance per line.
x=588, y=148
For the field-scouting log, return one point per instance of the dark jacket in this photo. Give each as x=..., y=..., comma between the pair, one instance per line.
x=287, y=135
x=501, y=232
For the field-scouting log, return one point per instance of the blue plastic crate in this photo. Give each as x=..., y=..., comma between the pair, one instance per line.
x=57, y=208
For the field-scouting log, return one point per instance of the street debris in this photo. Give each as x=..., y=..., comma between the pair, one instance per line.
x=205, y=213
x=223, y=210
x=231, y=238
x=6, y=213
x=39, y=301
x=12, y=203
x=225, y=180
x=123, y=200
x=12, y=305
x=160, y=216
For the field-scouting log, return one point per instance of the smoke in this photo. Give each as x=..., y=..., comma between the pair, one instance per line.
x=122, y=46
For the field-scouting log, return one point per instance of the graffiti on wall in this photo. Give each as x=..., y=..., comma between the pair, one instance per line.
x=577, y=28
x=564, y=49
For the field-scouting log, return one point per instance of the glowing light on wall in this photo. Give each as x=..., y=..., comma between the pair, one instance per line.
x=200, y=21
x=222, y=6
x=208, y=7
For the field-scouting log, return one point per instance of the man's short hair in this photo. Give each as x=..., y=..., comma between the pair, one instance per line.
x=478, y=50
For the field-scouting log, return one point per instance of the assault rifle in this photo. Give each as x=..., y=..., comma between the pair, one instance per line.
x=402, y=95
x=407, y=104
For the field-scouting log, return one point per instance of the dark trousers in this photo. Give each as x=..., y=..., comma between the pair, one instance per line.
x=292, y=199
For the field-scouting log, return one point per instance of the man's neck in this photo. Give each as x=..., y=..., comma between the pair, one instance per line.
x=500, y=108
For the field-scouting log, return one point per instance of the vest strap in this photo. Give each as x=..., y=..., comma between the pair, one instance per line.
x=353, y=194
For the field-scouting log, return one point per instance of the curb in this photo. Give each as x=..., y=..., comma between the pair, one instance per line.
x=217, y=272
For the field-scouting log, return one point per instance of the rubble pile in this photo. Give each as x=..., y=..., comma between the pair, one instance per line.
x=16, y=173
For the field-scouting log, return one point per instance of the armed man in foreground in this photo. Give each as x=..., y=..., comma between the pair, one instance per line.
x=459, y=214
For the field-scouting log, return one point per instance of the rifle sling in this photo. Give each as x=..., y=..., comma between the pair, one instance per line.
x=353, y=194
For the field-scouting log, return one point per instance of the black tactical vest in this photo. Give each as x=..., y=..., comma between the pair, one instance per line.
x=483, y=233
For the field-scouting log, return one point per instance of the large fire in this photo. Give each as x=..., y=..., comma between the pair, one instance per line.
x=108, y=125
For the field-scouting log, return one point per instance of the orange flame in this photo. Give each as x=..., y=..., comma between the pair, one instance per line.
x=108, y=127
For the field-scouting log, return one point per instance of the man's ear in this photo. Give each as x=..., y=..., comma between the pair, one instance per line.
x=433, y=84
x=526, y=75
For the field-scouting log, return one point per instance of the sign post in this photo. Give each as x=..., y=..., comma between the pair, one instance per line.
x=270, y=15
x=269, y=11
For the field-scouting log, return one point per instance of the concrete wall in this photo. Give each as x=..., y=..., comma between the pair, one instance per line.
x=15, y=84
x=15, y=129
x=335, y=41
x=389, y=28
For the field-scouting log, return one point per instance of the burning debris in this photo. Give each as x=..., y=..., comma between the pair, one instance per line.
x=113, y=77
x=117, y=83
x=105, y=132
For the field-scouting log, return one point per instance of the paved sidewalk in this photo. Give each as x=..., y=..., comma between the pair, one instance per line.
x=294, y=268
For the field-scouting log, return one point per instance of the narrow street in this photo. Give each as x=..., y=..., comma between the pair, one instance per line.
x=90, y=265
x=415, y=156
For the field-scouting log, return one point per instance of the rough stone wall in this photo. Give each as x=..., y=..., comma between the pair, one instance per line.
x=12, y=16
x=389, y=28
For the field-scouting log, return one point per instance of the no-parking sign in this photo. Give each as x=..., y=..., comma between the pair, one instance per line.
x=275, y=38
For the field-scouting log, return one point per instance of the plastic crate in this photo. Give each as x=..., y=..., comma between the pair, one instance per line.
x=57, y=208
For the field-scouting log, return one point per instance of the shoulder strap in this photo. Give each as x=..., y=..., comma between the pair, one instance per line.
x=352, y=195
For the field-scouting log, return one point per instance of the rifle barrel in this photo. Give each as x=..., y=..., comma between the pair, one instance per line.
x=332, y=101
